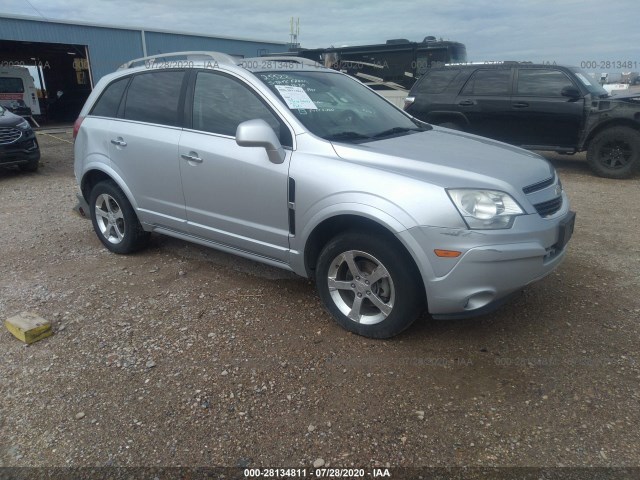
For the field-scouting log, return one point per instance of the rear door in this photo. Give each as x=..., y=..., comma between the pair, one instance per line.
x=485, y=100
x=234, y=195
x=144, y=146
x=543, y=117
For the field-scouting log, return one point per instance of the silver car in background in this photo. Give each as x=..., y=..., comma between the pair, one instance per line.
x=304, y=168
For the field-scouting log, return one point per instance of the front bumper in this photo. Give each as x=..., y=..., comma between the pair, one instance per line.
x=25, y=151
x=488, y=270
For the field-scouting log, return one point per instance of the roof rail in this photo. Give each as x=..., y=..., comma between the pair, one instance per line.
x=192, y=55
x=247, y=62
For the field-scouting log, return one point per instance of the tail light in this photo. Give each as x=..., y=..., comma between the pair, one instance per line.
x=408, y=101
x=76, y=127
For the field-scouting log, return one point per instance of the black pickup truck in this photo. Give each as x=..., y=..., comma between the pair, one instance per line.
x=538, y=107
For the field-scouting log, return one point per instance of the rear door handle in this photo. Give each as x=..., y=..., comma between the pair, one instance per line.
x=119, y=142
x=520, y=105
x=192, y=157
x=466, y=103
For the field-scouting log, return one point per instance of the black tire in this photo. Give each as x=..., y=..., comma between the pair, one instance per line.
x=114, y=219
x=32, y=166
x=452, y=126
x=615, y=153
x=399, y=290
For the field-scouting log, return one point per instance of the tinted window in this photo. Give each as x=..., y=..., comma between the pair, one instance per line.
x=154, y=98
x=11, y=85
x=543, y=83
x=221, y=103
x=489, y=82
x=437, y=81
x=108, y=103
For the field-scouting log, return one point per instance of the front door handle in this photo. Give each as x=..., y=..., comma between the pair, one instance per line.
x=466, y=103
x=520, y=105
x=119, y=142
x=192, y=157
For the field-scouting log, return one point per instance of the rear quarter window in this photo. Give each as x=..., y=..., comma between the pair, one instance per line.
x=108, y=103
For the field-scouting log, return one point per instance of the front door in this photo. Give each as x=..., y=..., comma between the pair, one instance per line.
x=234, y=195
x=543, y=117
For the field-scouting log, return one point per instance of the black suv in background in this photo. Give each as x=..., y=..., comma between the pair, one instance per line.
x=538, y=107
x=18, y=143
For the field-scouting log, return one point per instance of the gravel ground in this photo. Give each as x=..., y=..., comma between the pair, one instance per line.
x=184, y=356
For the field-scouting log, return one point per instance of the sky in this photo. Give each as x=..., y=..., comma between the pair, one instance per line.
x=584, y=33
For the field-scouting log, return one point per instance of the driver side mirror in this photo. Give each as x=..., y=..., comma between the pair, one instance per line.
x=258, y=133
x=571, y=92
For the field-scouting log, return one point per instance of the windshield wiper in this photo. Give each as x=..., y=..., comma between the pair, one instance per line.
x=346, y=136
x=394, y=130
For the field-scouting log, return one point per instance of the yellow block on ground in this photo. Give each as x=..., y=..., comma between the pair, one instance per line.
x=28, y=327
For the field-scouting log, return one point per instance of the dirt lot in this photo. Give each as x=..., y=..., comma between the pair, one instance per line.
x=184, y=356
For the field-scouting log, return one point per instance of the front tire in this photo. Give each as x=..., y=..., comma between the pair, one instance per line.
x=114, y=219
x=615, y=153
x=368, y=285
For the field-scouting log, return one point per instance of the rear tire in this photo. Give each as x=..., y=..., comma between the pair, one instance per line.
x=615, y=153
x=114, y=220
x=368, y=286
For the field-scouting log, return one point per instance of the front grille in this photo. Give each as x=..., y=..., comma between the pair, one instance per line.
x=534, y=187
x=549, y=207
x=9, y=135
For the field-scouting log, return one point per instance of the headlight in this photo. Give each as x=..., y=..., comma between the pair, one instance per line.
x=485, y=209
x=23, y=125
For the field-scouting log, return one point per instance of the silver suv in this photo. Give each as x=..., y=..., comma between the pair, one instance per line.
x=304, y=168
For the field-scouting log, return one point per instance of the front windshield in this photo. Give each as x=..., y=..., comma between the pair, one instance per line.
x=594, y=87
x=336, y=107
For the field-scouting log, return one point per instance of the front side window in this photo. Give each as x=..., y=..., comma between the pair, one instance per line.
x=489, y=82
x=336, y=107
x=154, y=98
x=221, y=103
x=108, y=103
x=542, y=82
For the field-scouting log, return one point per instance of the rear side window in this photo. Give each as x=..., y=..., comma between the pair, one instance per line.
x=11, y=85
x=108, y=103
x=489, y=82
x=542, y=83
x=221, y=103
x=154, y=98
x=437, y=81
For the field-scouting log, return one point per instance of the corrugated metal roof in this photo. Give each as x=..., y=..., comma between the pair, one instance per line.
x=135, y=28
x=111, y=46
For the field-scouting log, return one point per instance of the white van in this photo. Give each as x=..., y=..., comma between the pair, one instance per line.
x=18, y=92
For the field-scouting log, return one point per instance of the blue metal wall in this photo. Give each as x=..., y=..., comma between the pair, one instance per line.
x=111, y=47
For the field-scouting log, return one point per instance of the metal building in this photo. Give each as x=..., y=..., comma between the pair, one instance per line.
x=73, y=56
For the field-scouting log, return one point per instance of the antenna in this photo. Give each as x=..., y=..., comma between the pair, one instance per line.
x=294, y=33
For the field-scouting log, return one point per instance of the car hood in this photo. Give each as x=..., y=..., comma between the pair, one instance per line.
x=625, y=97
x=451, y=159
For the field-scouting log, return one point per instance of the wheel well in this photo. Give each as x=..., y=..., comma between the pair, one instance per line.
x=90, y=180
x=448, y=117
x=621, y=122
x=333, y=226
